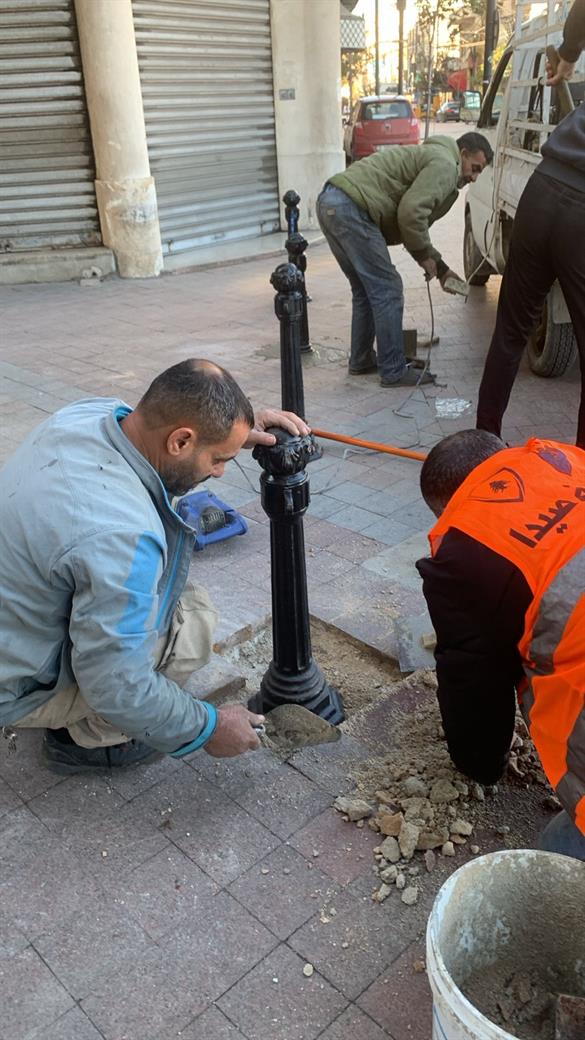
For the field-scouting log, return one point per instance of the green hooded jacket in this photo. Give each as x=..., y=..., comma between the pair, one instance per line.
x=405, y=189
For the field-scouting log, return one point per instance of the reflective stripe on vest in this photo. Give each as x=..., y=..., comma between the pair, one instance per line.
x=557, y=606
x=528, y=505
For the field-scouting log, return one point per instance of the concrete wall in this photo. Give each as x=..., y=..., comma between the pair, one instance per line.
x=306, y=60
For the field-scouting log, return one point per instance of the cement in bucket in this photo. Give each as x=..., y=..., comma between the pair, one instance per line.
x=517, y=910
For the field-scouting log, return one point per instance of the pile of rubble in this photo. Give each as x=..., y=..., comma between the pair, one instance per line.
x=423, y=808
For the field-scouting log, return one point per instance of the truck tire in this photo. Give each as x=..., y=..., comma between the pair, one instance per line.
x=552, y=348
x=472, y=259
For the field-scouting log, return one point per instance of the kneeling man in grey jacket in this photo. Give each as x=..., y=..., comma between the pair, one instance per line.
x=100, y=628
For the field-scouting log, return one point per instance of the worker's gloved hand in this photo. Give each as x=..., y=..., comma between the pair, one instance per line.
x=234, y=733
x=565, y=70
x=429, y=267
x=275, y=417
x=443, y=279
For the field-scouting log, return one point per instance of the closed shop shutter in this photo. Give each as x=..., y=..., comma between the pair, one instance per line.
x=47, y=195
x=206, y=74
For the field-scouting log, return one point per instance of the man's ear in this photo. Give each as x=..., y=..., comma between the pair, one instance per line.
x=183, y=439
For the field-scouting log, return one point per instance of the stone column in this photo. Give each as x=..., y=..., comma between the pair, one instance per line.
x=306, y=64
x=125, y=191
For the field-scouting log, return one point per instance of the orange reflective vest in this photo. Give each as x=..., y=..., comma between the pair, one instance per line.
x=528, y=505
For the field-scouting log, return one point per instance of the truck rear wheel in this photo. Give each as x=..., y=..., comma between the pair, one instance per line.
x=472, y=258
x=551, y=348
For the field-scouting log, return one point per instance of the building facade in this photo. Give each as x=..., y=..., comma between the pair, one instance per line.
x=137, y=130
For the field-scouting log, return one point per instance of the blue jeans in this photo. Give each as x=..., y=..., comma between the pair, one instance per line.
x=376, y=287
x=561, y=835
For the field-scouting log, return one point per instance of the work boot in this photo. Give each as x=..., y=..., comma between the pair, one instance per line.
x=62, y=755
x=411, y=377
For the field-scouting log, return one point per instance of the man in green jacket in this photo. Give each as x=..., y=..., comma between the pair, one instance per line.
x=391, y=198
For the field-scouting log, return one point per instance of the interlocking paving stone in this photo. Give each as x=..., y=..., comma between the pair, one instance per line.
x=284, y=890
x=99, y=941
x=400, y=999
x=86, y=798
x=114, y=844
x=31, y=995
x=74, y=1025
x=374, y=939
x=162, y=893
x=342, y=851
x=22, y=769
x=285, y=802
x=355, y=1025
x=212, y=829
x=8, y=798
x=211, y=1025
x=293, y=1006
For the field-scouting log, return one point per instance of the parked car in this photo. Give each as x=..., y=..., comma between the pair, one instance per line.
x=517, y=115
x=377, y=123
x=449, y=111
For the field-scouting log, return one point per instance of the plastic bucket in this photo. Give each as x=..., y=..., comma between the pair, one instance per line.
x=520, y=907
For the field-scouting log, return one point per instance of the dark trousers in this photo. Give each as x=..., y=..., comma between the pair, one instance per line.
x=548, y=242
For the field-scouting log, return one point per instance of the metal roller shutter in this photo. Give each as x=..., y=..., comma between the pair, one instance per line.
x=206, y=74
x=47, y=195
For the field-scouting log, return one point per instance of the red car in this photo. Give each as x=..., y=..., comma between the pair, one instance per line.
x=379, y=122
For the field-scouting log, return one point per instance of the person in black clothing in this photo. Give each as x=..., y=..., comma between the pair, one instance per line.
x=478, y=601
x=548, y=242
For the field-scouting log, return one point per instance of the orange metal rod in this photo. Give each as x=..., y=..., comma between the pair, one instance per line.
x=372, y=445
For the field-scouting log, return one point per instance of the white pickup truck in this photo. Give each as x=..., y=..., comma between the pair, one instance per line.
x=517, y=115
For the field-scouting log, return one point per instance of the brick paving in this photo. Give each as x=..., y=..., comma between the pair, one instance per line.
x=183, y=899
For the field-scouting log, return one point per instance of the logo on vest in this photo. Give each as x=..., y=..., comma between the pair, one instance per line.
x=505, y=485
x=555, y=458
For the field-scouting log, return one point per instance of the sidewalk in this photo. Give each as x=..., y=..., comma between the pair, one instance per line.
x=184, y=899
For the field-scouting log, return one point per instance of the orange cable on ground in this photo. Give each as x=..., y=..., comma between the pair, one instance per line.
x=372, y=445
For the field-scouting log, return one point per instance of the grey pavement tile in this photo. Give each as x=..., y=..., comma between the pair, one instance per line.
x=388, y=531
x=285, y=802
x=212, y=829
x=355, y=518
x=323, y=566
x=41, y=881
x=12, y=940
x=284, y=890
x=8, y=798
x=277, y=1000
x=400, y=999
x=356, y=548
x=323, y=506
x=85, y=798
x=22, y=769
x=398, y=563
x=162, y=893
x=329, y=765
x=116, y=843
x=31, y=995
x=153, y=1001
x=341, y=851
x=74, y=1025
x=376, y=935
x=238, y=775
x=99, y=941
x=370, y=627
x=354, y=1024
x=211, y=1025
x=131, y=782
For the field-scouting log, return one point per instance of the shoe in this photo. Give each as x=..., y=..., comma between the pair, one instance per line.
x=411, y=377
x=61, y=755
x=362, y=371
x=424, y=344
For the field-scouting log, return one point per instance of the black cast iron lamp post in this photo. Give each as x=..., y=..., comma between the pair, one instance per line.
x=295, y=246
x=292, y=677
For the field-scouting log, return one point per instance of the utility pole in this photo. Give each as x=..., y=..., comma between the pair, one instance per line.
x=377, y=16
x=401, y=4
x=490, y=31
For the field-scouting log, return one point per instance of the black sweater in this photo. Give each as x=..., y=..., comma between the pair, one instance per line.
x=477, y=601
x=564, y=152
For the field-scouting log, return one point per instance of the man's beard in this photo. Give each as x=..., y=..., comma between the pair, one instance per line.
x=179, y=480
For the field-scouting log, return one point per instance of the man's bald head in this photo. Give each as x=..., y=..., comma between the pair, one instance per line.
x=199, y=394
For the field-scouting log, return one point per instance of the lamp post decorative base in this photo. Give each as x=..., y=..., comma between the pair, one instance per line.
x=310, y=689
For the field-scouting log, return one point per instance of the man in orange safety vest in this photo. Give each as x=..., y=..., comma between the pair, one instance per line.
x=505, y=586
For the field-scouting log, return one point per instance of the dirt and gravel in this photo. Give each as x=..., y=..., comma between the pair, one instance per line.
x=407, y=790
